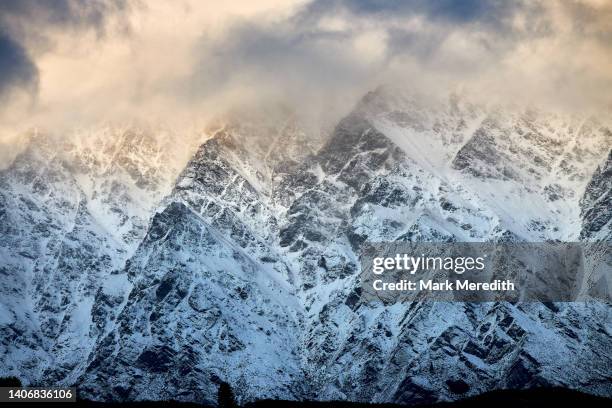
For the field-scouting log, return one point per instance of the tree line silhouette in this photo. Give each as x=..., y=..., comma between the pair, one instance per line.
x=534, y=398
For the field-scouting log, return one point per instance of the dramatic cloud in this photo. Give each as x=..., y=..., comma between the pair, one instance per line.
x=24, y=26
x=17, y=70
x=189, y=59
x=489, y=12
x=525, y=51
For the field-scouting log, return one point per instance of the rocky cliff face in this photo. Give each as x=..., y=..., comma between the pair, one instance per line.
x=247, y=270
x=71, y=212
x=597, y=228
x=596, y=204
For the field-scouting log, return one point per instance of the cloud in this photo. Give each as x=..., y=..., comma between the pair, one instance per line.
x=453, y=11
x=526, y=51
x=17, y=70
x=191, y=59
x=334, y=50
x=286, y=60
x=24, y=25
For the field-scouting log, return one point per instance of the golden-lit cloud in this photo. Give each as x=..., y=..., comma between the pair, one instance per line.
x=75, y=62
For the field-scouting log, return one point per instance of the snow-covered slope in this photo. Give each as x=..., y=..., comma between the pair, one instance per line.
x=72, y=210
x=381, y=178
x=246, y=271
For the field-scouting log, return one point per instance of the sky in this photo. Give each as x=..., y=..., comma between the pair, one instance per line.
x=67, y=63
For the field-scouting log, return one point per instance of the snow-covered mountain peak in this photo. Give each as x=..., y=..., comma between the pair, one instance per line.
x=126, y=270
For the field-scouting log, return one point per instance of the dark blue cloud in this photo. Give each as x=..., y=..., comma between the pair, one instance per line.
x=16, y=67
x=452, y=11
x=25, y=21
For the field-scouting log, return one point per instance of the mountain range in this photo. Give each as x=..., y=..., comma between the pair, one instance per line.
x=142, y=265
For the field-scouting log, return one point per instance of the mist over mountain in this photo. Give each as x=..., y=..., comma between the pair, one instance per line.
x=139, y=275
x=188, y=192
